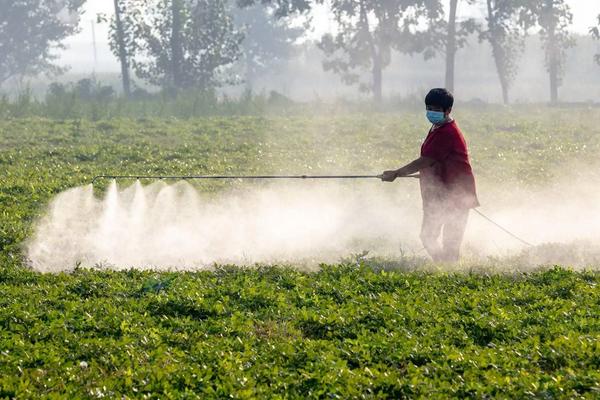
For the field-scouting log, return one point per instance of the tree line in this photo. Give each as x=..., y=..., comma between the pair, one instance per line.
x=203, y=44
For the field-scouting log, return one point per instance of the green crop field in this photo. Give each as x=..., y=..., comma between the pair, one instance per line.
x=364, y=328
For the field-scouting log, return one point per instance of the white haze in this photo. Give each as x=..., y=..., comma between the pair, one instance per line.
x=174, y=226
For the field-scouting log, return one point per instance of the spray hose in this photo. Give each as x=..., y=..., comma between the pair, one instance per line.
x=526, y=243
x=226, y=177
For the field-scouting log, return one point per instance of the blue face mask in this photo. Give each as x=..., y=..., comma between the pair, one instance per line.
x=436, y=117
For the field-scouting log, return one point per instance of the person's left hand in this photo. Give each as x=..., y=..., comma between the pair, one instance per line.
x=389, y=176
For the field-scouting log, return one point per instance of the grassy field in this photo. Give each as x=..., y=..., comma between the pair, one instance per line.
x=350, y=330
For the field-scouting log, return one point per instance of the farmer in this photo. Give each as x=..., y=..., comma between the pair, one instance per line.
x=446, y=179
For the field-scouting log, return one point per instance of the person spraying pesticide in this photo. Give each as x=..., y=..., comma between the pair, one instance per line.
x=446, y=178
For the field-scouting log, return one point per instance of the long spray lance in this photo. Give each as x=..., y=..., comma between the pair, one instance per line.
x=263, y=177
x=225, y=177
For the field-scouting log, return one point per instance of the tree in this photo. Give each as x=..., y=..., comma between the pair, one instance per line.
x=119, y=32
x=368, y=30
x=455, y=39
x=121, y=39
x=30, y=31
x=507, y=25
x=595, y=31
x=178, y=44
x=281, y=8
x=268, y=40
x=554, y=18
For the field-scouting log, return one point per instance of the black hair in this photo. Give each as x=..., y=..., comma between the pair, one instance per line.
x=439, y=98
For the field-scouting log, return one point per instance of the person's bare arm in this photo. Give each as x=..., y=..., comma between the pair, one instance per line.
x=409, y=169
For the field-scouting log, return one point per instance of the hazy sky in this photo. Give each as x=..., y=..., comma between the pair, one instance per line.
x=80, y=52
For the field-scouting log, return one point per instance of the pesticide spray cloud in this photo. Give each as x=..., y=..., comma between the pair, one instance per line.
x=175, y=226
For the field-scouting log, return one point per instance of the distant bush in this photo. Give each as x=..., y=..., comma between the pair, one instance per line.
x=90, y=99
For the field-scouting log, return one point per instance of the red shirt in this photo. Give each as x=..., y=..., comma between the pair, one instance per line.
x=450, y=180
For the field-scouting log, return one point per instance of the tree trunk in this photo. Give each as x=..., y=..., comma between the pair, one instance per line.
x=176, y=46
x=497, y=51
x=377, y=77
x=250, y=68
x=451, y=46
x=553, y=82
x=505, y=98
x=122, y=51
x=552, y=49
x=377, y=69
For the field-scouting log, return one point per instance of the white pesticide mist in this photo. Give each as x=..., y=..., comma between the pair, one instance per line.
x=561, y=220
x=175, y=226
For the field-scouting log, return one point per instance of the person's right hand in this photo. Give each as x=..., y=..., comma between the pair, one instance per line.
x=389, y=176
